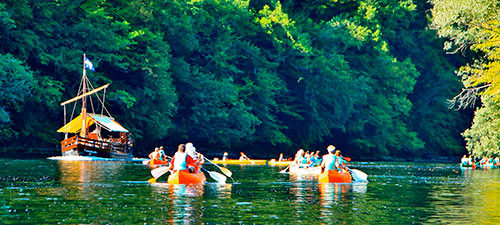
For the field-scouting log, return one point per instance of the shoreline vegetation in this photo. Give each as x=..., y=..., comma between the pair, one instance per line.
x=256, y=76
x=40, y=153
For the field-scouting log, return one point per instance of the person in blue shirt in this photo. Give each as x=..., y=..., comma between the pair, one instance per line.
x=315, y=160
x=333, y=161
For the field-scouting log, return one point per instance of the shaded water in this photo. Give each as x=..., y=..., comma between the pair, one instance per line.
x=100, y=192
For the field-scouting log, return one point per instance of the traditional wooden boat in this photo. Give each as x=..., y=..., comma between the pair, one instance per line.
x=274, y=162
x=184, y=177
x=108, y=138
x=236, y=161
x=332, y=176
x=304, y=169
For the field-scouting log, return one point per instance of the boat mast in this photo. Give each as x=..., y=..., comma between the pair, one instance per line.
x=83, y=131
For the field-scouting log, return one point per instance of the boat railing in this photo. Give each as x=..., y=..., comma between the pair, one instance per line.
x=115, y=144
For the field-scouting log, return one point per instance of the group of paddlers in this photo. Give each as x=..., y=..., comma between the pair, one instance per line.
x=186, y=158
x=243, y=157
x=468, y=161
x=331, y=161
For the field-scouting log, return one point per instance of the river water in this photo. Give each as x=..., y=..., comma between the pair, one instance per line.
x=109, y=192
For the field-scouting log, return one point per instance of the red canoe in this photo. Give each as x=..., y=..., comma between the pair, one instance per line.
x=332, y=176
x=183, y=177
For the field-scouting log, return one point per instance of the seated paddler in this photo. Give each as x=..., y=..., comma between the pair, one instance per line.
x=315, y=159
x=154, y=156
x=182, y=161
x=191, y=151
x=333, y=161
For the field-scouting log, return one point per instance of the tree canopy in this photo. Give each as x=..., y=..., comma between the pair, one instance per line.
x=472, y=27
x=265, y=76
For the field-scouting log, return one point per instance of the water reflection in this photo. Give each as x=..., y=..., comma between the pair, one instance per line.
x=182, y=201
x=83, y=179
x=474, y=201
x=220, y=191
x=69, y=192
x=89, y=171
x=302, y=177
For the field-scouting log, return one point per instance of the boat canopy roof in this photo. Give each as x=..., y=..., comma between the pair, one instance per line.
x=75, y=125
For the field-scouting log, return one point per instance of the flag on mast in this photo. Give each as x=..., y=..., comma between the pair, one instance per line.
x=88, y=64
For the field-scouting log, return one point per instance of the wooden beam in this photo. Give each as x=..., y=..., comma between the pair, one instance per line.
x=86, y=94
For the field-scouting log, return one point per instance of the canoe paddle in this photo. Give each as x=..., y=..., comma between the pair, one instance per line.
x=216, y=176
x=224, y=170
x=284, y=170
x=358, y=175
x=158, y=172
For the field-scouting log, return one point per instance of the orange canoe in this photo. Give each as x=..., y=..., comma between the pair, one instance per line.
x=154, y=162
x=332, y=176
x=183, y=177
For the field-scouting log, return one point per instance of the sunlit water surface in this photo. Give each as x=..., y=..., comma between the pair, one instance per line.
x=100, y=192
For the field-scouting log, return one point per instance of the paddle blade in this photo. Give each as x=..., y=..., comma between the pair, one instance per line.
x=284, y=170
x=223, y=169
x=217, y=176
x=348, y=159
x=152, y=180
x=159, y=171
x=226, y=171
x=359, y=176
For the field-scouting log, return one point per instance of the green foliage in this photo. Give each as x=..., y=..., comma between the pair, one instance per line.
x=236, y=74
x=482, y=137
x=16, y=81
x=473, y=25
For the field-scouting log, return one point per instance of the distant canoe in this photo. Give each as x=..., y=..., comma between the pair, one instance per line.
x=303, y=169
x=236, y=161
x=183, y=177
x=273, y=162
x=332, y=176
x=154, y=162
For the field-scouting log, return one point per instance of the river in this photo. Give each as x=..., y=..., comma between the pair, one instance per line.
x=43, y=191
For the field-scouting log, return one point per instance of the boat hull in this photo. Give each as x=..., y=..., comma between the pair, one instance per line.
x=183, y=177
x=236, y=161
x=471, y=167
x=332, y=176
x=154, y=162
x=78, y=146
x=273, y=162
x=303, y=169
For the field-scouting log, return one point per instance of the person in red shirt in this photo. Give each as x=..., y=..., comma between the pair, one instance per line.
x=182, y=161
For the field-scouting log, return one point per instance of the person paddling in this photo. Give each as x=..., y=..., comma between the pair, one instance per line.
x=299, y=157
x=243, y=157
x=154, y=156
x=332, y=161
x=315, y=159
x=225, y=156
x=161, y=154
x=197, y=157
x=181, y=160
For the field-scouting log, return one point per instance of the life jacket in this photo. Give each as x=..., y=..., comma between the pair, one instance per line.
x=180, y=161
x=303, y=160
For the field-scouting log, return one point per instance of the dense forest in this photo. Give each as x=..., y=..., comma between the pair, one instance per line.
x=260, y=76
x=472, y=28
